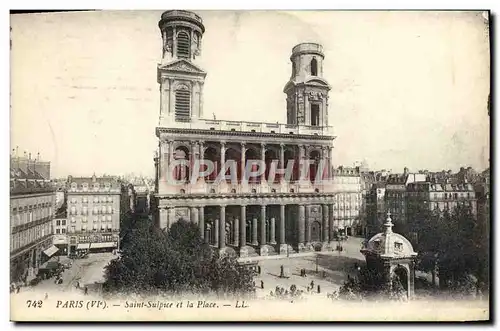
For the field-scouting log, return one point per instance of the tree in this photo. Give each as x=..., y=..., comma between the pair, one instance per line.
x=176, y=261
x=453, y=243
x=17, y=270
x=371, y=284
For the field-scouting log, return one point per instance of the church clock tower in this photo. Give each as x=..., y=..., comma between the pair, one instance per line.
x=307, y=90
x=181, y=80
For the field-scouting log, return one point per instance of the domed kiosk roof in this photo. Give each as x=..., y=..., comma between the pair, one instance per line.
x=389, y=244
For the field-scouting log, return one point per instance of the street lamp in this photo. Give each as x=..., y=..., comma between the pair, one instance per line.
x=317, y=258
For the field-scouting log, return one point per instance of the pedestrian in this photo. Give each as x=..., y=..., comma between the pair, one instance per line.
x=18, y=288
x=253, y=284
x=312, y=284
x=324, y=274
x=262, y=284
x=86, y=291
x=319, y=289
x=282, y=271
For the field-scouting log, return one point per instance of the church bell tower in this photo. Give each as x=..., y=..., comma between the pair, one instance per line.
x=307, y=90
x=181, y=80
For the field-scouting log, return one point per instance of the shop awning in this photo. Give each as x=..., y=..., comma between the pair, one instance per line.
x=103, y=245
x=83, y=246
x=51, y=250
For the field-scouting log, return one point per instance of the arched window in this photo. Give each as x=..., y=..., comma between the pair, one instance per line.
x=314, y=67
x=182, y=103
x=183, y=45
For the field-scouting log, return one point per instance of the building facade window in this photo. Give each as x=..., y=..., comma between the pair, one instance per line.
x=182, y=103
x=314, y=67
x=183, y=45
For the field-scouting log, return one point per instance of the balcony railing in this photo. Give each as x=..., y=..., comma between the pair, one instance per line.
x=240, y=126
x=202, y=187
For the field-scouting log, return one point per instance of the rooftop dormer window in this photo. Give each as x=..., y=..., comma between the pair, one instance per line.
x=85, y=187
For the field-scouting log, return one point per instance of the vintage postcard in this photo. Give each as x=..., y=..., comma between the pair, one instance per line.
x=180, y=165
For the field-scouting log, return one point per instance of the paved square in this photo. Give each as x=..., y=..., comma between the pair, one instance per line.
x=332, y=270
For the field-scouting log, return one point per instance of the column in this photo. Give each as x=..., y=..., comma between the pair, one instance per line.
x=243, y=226
x=163, y=215
x=328, y=162
x=201, y=156
x=170, y=152
x=254, y=232
x=325, y=231
x=194, y=215
x=308, y=224
x=201, y=221
x=174, y=42
x=282, y=160
x=222, y=156
x=216, y=233
x=222, y=227
x=302, y=155
x=330, y=222
x=171, y=101
x=194, y=155
x=207, y=234
x=236, y=227
x=282, y=225
x=283, y=247
x=301, y=226
x=263, y=240
x=243, y=160
x=263, y=158
x=272, y=231
x=171, y=216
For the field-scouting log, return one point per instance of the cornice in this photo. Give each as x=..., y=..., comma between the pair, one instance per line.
x=209, y=133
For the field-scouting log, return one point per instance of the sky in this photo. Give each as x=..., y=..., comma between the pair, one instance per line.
x=408, y=88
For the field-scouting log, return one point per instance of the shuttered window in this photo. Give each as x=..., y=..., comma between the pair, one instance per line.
x=182, y=104
x=183, y=45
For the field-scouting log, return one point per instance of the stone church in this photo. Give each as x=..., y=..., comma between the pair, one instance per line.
x=264, y=214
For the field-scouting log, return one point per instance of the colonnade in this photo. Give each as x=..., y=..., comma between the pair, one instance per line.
x=265, y=227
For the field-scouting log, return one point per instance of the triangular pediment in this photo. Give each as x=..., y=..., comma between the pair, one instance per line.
x=182, y=66
x=317, y=81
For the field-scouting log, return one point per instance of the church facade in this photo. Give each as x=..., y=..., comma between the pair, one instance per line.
x=253, y=188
